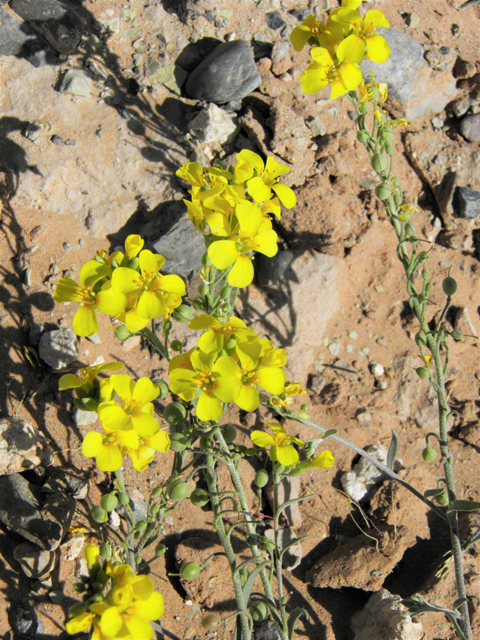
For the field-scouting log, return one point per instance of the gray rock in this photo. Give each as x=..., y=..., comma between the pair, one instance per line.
x=60, y=480
x=21, y=446
x=267, y=630
x=470, y=128
x=18, y=39
x=60, y=25
x=24, y=621
x=466, y=203
x=76, y=82
x=35, y=562
x=361, y=483
x=24, y=509
x=270, y=270
x=58, y=348
x=414, y=89
x=274, y=20
x=84, y=418
x=385, y=617
x=183, y=248
x=228, y=73
x=214, y=126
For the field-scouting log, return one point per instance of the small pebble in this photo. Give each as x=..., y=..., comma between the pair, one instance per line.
x=67, y=246
x=274, y=20
x=363, y=416
x=437, y=123
x=377, y=369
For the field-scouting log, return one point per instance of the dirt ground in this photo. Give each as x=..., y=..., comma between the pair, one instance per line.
x=363, y=319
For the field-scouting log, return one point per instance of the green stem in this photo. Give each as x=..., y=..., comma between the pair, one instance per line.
x=130, y=519
x=278, y=558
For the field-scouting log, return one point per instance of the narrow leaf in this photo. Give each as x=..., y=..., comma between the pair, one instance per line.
x=292, y=543
x=292, y=619
x=288, y=503
x=393, y=450
x=330, y=432
x=464, y=505
x=247, y=588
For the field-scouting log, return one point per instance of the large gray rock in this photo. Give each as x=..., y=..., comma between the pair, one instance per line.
x=21, y=446
x=40, y=518
x=227, y=74
x=17, y=39
x=60, y=25
x=470, y=127
x=183, y=248
x=35, y=562
x=414, y=89
x=58, y=348
x=466, y=203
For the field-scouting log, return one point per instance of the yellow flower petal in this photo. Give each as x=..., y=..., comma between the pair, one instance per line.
x=323, y=460
x=262, y=439
x=352, y=49
x=85, y=321
x=285, y=194
x=287, y=455
x=145, y=391
x=92, y=444
x=313, y=79
x=109, y=458
x=378, y=48
x=133, y=245
x=271, y=379
x=301, y=34
x=242, y=272
x=376, y=18
x=111, y=622
x=79, y=623
x=112, y=416
x=145, y=425
x=248, y=398
x=223, y=253
x=151, y=609
x=258, y=190
x=209, y=407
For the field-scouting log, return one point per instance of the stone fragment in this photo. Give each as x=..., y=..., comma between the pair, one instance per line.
x=60, y=25
x=362, y=482
x=413, y=399
x=183, y=248
x=58, y=348
x=40, y=518
x=17, y=39
x=414, y=89
x=267, y=630
x=35, y=562
x=76, y=82
x=61, y=480
x=364, y=417
x=84, y=418
x=470, y=127
x=227, y=73
x=171, y=76
x=466, y=203
x=363, y=562
x=384, y=617
x=21, y=446
x=24, y=620
x=214, y=126
x=274, y=20
x=72, y=547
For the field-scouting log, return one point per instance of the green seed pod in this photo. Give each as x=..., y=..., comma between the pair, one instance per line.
x=420, y=339
x=422, y=372
x=105, y=551
x=96, y=598
x=237, y=507
x=77, y=609
x=261, y=478
x=259, y=611
x=425, y=274
x=109, y=501
x=363, y=109
x=428, y=288
x=388, y=135
x=163, y=386
x=457, y=335
x=199, y=497
x=363, y=136
x=122, y=333
x=230, y=433
x=409, y=229
x=422, y=257
x=124, y=499
x=155, y=509
x=225, y=291
x=397, y=198
x=178, y=442
x=138, y=558
x=442, y=498
x=382, y=192
x=183, y=313
x=198, y=304
x=175, y=412
x=389, y=149
x=167, y=326
x=204, y=442
x=160, y=549
x=206, y=260
x=211, y=622
x=429, y=454
x=449, y=286
x=157, y=492
x=99, y=514
x=176, y=345
x=379, y=162
x=141, y=525
x=190, y=571
x=267, y=544
x=202, y=289
x=178, y=491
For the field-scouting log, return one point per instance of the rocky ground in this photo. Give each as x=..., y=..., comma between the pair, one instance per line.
x=99, y=106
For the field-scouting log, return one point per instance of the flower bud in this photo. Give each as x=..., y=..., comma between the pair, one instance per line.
x=449, y=286
x=429, y=454
x=176, y=345
x=160, y=549
x=422, y=372
x=420, y=339
x=206, y=260
x=426, y=274
x=261, y=478
x=202, y=289
x=122, y=333
x=167, y=326
x=457, y=335
x=363, y=136
x=428, y=288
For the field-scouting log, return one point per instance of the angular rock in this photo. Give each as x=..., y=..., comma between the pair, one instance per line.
x=183, y=247
x=363, y=562
x=24, y=620
x=35, y=562
x=60, y=480
x=24, y=509
x=76, y=82
x=84, y=418
x=72, y=547
x=362, y=482
x=470, y=127
x=214, y=126
x=17, y=39
x=414, y=89
x=58, y=348
x=60, y=25
x=466, y=203
x=227, y=74
x=21, y=446
x=384, y=617
x=267, y=630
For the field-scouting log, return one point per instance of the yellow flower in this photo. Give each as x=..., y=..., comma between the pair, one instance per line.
x=310, y=28
x=342, y=76
x=361, y=41
x=323, y=460
x=217, y=334
x=107, y=449
x=216, y=379
x=87, y=375
x=261, y=178
x=286, y=398
x=405, y=211
x=133, y=245
x=254, y=233
x=366, y=93
x=280, y=445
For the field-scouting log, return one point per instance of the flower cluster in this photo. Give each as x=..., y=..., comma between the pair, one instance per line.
x=229, y=366
x=233, y=209
x=129, y=427
x=125, y=611
x=127, y=286
x=339, y=44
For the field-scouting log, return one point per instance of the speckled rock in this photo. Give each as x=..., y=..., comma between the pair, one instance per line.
x=21, y=446
x=58, y=348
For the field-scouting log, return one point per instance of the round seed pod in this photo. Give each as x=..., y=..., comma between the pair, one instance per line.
x=230, y=433
x=449, y=286
x=190, y=570
x=163, y=386
x=99, y=514
x=382, y=192
x=199, y=497
x=178, y=442
x=422, y=372
x=167, y=326
x=109, y=501
x=211, y=622
x=183, y=313
x=175, y=412
x=261, y=478
x=178, y=491
x=160, y=549
x=176, y=345
x=429, y=454
x=259, y=611
x=379, y=162
x=363, y=136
